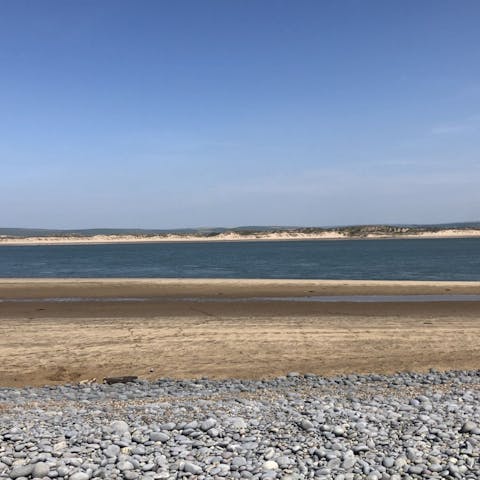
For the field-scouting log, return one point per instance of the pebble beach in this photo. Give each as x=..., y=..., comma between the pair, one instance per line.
x=371, y=427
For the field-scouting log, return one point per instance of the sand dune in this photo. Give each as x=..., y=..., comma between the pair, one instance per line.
x=229, y=236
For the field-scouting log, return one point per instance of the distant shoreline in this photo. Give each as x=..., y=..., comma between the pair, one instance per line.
x=234, y=237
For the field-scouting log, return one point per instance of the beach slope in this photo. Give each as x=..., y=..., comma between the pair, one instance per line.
x=57, y=331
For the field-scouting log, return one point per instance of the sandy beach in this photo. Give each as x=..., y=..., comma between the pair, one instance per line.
x=179, y=329
x=229, y=237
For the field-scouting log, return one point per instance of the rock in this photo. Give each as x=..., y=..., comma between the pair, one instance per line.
x=168, y=426
x=284, y=461
x=62, y=471
x=239, y=462
x=120, y=427
x=40, y=470
x=467, y=427
x=269, y=453
x=192, y=468
x=130, y=475
x=208, y=424
x=388, y=462
x=159, y=437
x=60, y=446
x=360, y=448
x=112, y=451
x=348, y=460
x=237, y=424
x=306, y=425
x=416, y=469
x=21, y=471
x=125, y=465
x=79, y=476
x=270, y=465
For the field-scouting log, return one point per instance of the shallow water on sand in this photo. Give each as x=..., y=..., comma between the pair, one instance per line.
x=349, y=299
x=316, y=298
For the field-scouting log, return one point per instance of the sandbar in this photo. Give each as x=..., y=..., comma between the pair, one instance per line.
x=178, y=329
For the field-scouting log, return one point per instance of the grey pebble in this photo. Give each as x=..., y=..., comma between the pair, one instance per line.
x=40, y=470
x=159, y=437
x=192, y=468
x=407, y=425
x=79, y=476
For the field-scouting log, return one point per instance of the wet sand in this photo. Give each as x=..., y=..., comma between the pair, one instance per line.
x=45, y=342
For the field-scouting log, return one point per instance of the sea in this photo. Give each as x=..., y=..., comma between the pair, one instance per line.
x=372, y=259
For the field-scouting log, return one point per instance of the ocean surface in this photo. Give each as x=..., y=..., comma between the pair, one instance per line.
x=410, y=259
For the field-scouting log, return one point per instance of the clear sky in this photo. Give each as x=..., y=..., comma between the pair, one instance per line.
x=178, y=113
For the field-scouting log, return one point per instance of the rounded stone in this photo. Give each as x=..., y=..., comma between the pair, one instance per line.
x=192, y=468
x=388, y=462
x=125, y=465
x=112, y=451
x=270, y=465
x=239, y=462
x=22, y=471
x=307, y=425
x=79, y=476
x=120, y=427
x=40, y=470
x=467, y=427
x=159, y=437
x=208, y=424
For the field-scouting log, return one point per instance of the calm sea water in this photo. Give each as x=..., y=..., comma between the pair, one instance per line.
x=436, y=259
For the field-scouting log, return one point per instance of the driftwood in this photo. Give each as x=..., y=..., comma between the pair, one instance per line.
x=125, y=379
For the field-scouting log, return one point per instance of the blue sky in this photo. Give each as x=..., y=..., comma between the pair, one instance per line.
x=164, y=114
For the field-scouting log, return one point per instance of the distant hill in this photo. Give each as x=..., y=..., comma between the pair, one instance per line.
x=352, y=230
x=442, y=226
x=90, y=232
